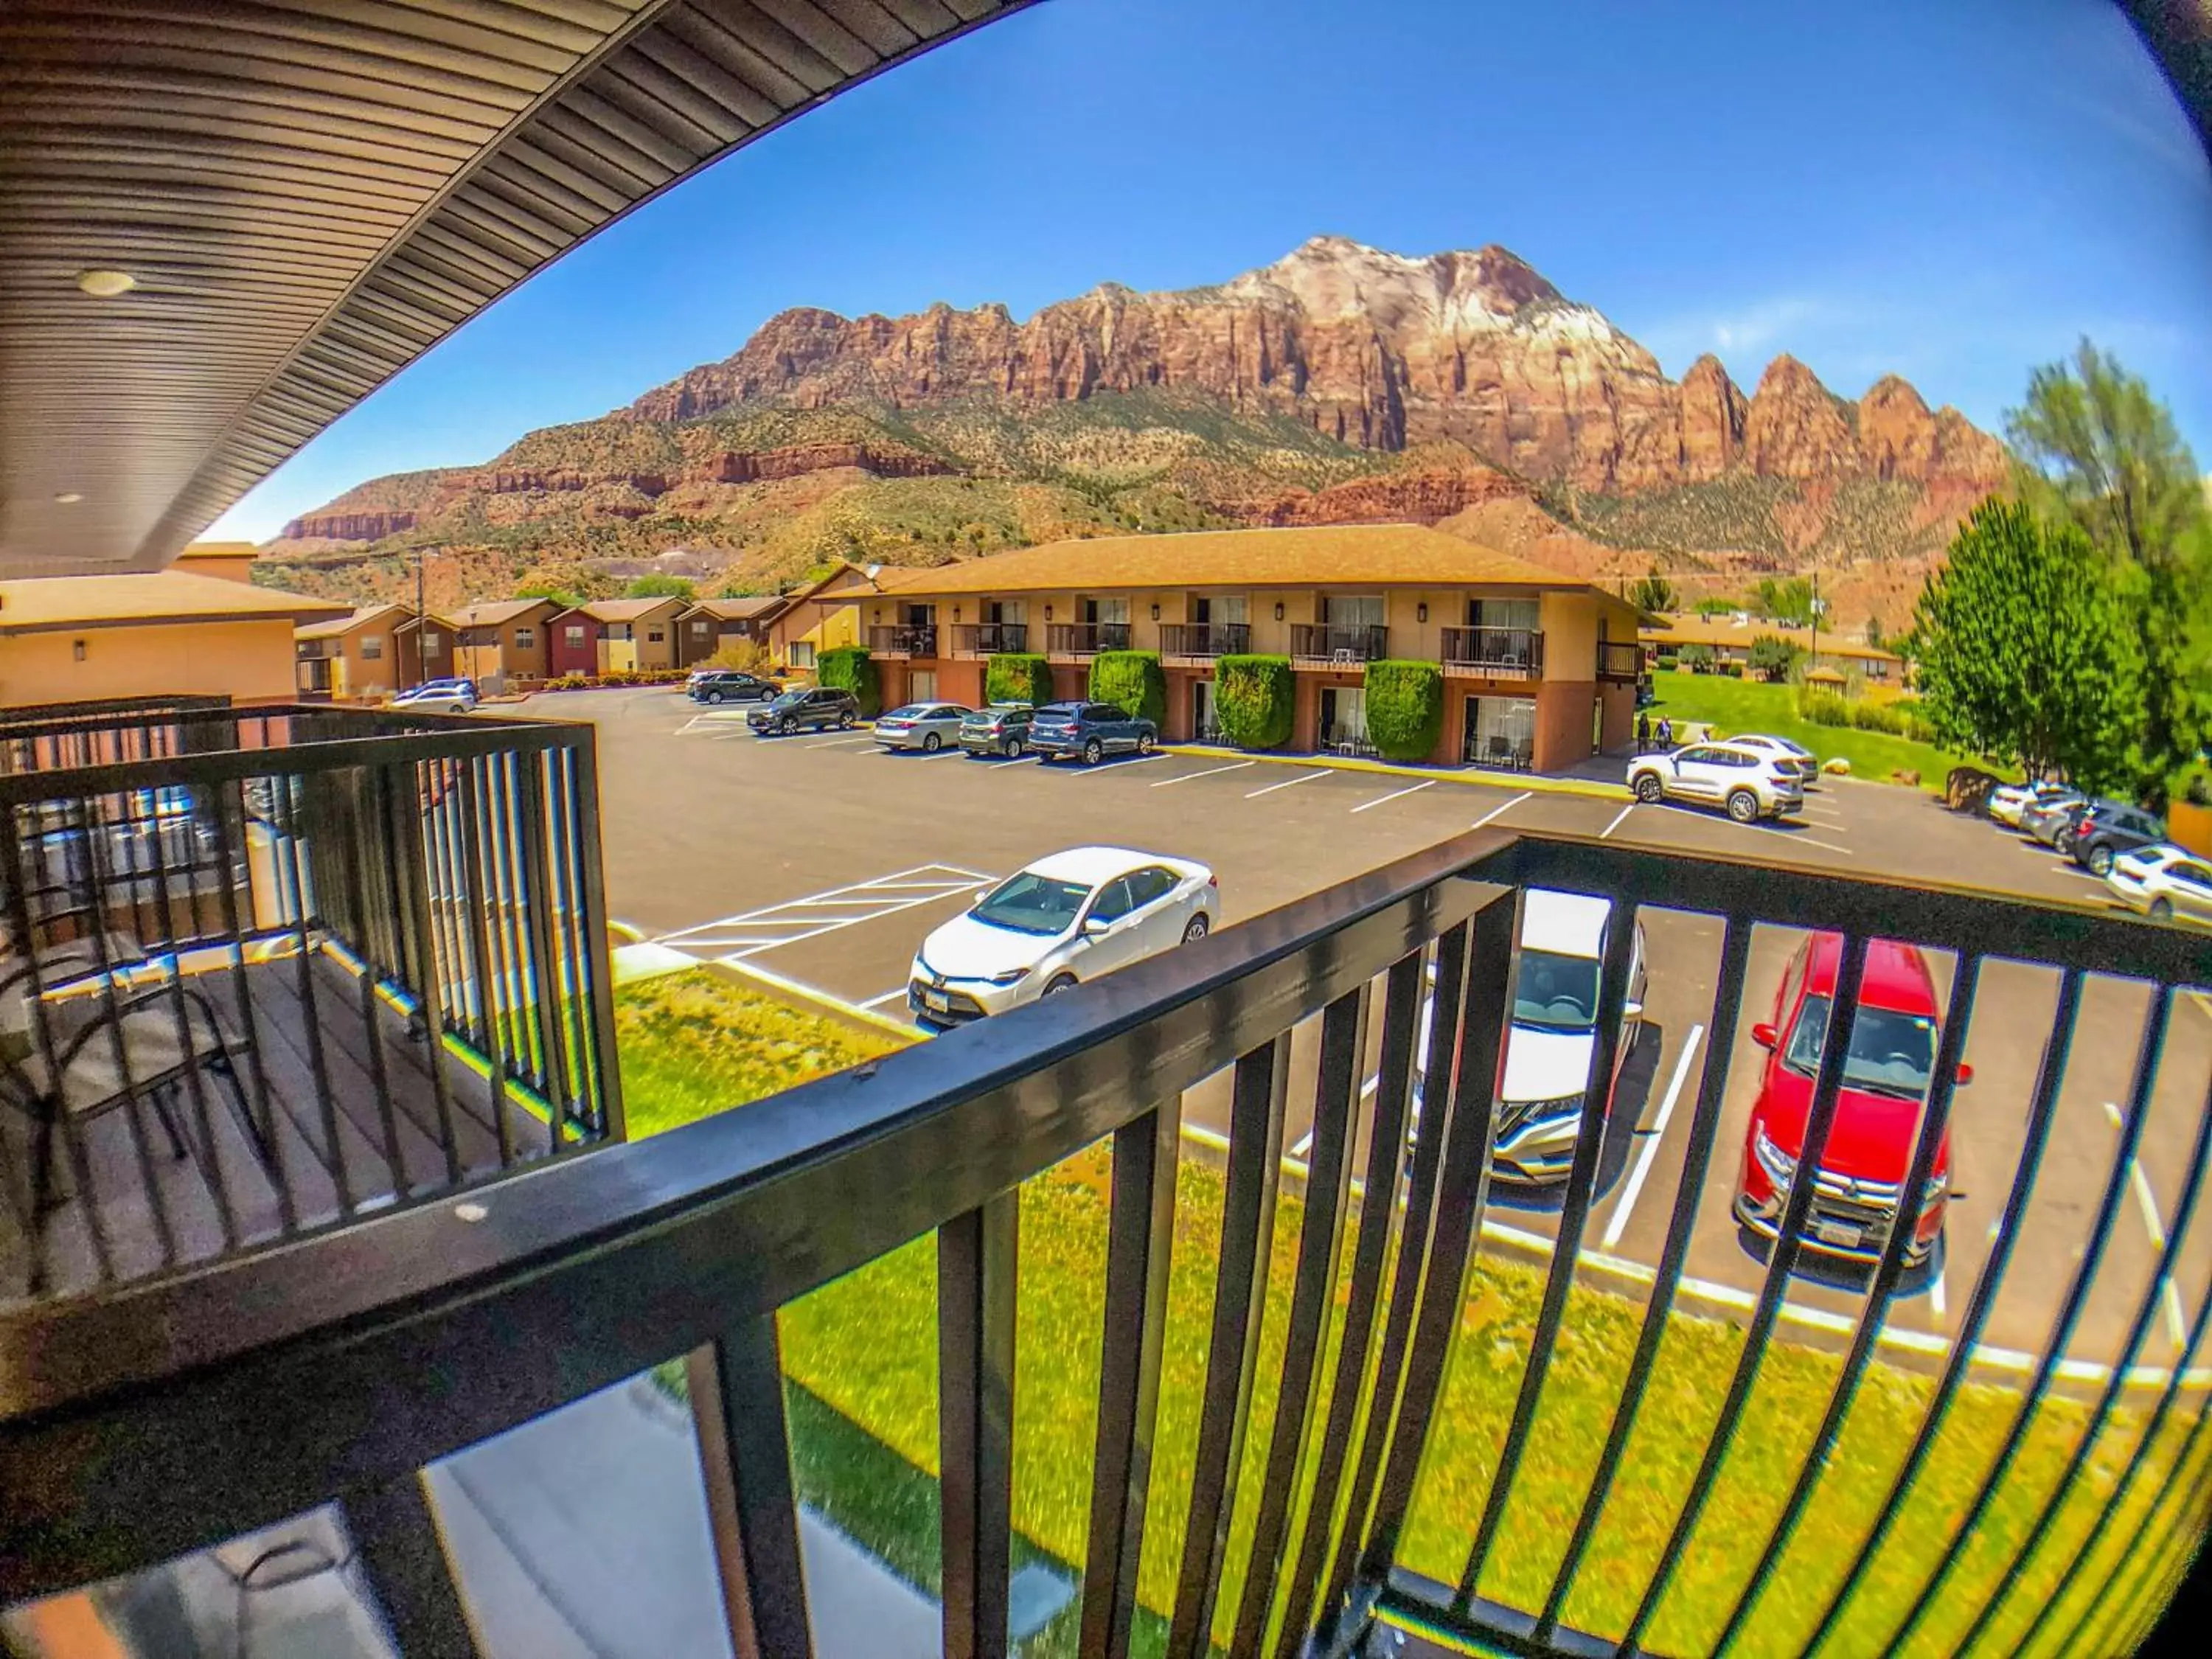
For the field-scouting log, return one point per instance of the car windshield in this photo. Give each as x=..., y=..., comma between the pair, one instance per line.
x=1058, y=711
x=789, y=700
x=1031, y=903
x=1555, y=992
x=913, y=711
x=1891, y=1054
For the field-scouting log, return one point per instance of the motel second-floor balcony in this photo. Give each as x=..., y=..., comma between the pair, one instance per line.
x=440, y=1413
x=1619, y=662
x=1328, y=642
x=1068, y=640
x=1188, y=641
x=905, y=640
x=989, y=639
x=269, y=970
x=1497, y=653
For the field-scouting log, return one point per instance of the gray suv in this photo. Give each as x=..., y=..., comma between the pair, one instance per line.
x=811, y=710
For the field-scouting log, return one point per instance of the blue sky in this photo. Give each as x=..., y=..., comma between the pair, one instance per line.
x=1955, y=190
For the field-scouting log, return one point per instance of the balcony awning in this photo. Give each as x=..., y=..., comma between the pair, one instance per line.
x=307, y=195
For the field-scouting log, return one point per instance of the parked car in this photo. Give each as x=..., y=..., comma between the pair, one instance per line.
x=1553, y=1030
x=1807, y=763
x=2009, y=800
x=809, y=708
x=1090, y=732
x=2040, y=820
x=728, y=685
x=1003, y=728
x=1065, y=919
x=450, y=696
x=1750, y=783
x=927, y=727
x=2163, y=883
x=1888, y=1069
x=2108, y=829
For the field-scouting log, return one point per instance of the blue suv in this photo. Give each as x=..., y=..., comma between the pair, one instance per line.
x=1090, y=732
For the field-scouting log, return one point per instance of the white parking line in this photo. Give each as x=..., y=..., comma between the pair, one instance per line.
x=1385, y=800
x=1507, y=807
x=774, y=925
x=1210, y=772
x=1618, y=1223
x=1100, y=771
x=1825, y=846
x=2148, y=1204
x=1619, y=818
x=1290, y=783
x=898, y=996
x=838, y=742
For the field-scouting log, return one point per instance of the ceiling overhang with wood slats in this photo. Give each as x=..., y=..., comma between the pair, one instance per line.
x=307, y=194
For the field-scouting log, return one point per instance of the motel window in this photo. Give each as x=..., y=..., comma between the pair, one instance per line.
x=526, y=639
x=654, y=635
x=372, y=648
x=429, y=639
x=921, y=686
x=1354, y=610
x=575, y=631
x=699, y=625
x=802, y=655
x=1505, y=613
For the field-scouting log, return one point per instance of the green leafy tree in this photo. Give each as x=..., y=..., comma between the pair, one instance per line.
x=1255, y=699
x=1133, y=681
x=849, y=668
x=659, y=587
x=1404, y=708
x=1017, y=676
x=562, y=595
x=1698, y=658
x=2100, y=451
x=1788, y=601
x=1718, y=604
x=2028, y=651
x=1653, y=592
x=1873, y=633
x=1773, y=657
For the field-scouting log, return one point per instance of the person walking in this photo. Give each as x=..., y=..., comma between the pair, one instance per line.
x=1643, y=732
x=1666, y=734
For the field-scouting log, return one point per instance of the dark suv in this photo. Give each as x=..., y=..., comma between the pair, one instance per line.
x=2108, y=829
x=1090, y=732
x=729, y=686
x=808, y=710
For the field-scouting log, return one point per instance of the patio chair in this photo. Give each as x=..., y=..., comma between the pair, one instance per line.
x=1524, y=754
x=1501, y=752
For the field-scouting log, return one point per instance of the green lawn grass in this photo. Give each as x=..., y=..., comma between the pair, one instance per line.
x=1737, y=706
x=861, y=1357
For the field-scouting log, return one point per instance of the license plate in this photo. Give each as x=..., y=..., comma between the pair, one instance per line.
x=936, y=1002
x=1839, y=1233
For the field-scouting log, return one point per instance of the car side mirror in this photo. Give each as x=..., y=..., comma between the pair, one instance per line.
x=1094, y=926
x=1765, y=1035
x=1631, y=1009
x=1965, y=1074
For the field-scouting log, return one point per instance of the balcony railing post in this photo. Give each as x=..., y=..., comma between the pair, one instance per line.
x=976, y=1268
x=407, y=799
x=1139, y=1235
x=547, y=977
x=752, y=1508
x=591, y=925
x=475, y=902
x=1257, y=1096
x=404, y=1558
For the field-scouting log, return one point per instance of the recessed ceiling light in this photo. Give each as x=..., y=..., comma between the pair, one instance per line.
x=105, y=284
x=70, y=497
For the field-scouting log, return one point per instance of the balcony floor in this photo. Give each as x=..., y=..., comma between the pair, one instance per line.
x=375, y=1172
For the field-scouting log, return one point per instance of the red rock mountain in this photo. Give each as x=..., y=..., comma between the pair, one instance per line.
x=1378, y=351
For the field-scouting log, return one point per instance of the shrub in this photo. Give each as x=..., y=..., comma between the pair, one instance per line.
x=1133, y=681
x=1017, y=676
x=1255, y=698
x=849, y=668
x=1404, y=708
x=746, y=656
x=657, y=586
x=1821, y=707
x=1698, y=658
x=1730, y=667
x=2192, y=784
x=1773, y=657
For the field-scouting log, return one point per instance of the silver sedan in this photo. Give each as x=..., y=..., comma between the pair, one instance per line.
x=928, y=726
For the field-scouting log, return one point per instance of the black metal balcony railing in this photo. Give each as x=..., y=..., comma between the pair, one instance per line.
x=907, y=640
x=1619, y=662
x=132, y=1429
x=1330, y=642
x=1205, y=639
x=269, y=968
x=989, y=639
x=1085, y=639
x=1496, y=652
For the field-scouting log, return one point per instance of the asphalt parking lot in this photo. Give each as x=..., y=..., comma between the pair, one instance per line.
x=824, y=860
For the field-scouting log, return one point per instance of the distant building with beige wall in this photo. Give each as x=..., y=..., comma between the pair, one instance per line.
x=503, y=645
x=82, y=639
x=368, y=653
x=230, y=560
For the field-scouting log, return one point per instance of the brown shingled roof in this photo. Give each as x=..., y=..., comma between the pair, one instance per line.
x=494, y=612
x=622, y=610
x=44, y=603
x=345, y=624
x=741, y=609
x=1380, y=555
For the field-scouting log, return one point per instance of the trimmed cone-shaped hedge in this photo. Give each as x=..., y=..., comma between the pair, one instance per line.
x=1133, y=681
x=1404, y=708
x=849, y=668
x=1255, y=698
x=1017, y=676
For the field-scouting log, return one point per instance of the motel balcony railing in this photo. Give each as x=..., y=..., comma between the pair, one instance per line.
x=1330, y=642
x=270, y=969
x=1205, y=639
x=362, y=1374
x=989, y=639
x=1497, y=653
x=1085, y=639
x=907, y=640
x=1619, y=662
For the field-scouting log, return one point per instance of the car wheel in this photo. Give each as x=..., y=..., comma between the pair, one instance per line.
x=1196, y=928
x=786, y=726
x=714, y=696
x=1062, y=982
x=457, y=709
x=845, y=720
x=1743, y=806
x=1011, y=748
x=1093, y=752
x=1143, y=742
x=2162, y=909
x=1649, y=788
x=2100, y=861
x=931, y=743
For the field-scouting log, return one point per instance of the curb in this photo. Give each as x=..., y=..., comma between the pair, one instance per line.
x=761, y=979
x=1535, y=782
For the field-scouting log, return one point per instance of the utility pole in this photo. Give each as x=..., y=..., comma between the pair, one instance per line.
x=1815, y=661
x=421, y=617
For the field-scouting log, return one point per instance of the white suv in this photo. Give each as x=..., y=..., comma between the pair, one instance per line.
x=1749, y=783
x=1807, y=765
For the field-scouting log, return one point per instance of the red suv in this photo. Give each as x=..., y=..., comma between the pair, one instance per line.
x=1887, y=1076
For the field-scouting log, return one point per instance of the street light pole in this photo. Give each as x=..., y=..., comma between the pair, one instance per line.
x=421, y=618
